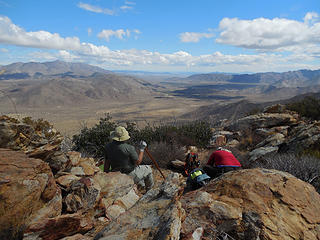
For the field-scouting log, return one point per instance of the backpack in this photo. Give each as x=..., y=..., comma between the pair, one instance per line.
x=192, y=162
x=197, y=178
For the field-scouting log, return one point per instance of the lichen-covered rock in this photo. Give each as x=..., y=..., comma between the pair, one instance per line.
x=38, y=139
x=254, y=204
x=83, y=194
x=28, y=192
x=302, y=137
x=260, y=152
x=262, y=120
x=118, y=193
x=59, y=227
x=157, y=215
x=66, y=180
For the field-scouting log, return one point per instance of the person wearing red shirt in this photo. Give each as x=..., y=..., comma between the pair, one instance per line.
x=221, y=161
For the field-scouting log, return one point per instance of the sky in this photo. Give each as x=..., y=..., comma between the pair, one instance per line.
x=234, y=36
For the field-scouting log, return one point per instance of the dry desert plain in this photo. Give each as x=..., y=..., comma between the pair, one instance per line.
x=69, y=119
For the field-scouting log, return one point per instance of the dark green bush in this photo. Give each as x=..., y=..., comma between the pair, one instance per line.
x=308, y=107
x=306, y=168
x=91, y=141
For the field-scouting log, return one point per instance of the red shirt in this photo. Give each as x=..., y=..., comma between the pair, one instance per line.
x=223, y=158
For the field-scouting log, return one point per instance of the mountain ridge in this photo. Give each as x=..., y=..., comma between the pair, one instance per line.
x=37, y=69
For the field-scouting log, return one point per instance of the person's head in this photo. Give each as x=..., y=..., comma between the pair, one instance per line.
x=119, y=134
x=192, y=149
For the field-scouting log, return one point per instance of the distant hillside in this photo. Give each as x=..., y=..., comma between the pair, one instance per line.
x=71, y=91
x=239, y=109
x=300, y=78
x=36, y=70
x=60, y=83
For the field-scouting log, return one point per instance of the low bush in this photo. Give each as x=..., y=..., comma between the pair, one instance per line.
x=308, y=107
x=91, y=141
x=304, y=167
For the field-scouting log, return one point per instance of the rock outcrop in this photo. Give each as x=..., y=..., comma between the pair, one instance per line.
x=253, y=204
x=276, y=130
x=28, y=192
x=157, y=215
x=38, y=139
x=50, y=194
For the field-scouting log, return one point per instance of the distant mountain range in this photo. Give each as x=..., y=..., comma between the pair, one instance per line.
x=300, y=78
x=35, y=70
x=59, y=83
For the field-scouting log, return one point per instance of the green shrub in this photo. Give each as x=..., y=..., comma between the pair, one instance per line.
x=308, y=107
x=91, y=141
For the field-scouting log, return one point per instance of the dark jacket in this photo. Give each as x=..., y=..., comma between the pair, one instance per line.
x=122, y=156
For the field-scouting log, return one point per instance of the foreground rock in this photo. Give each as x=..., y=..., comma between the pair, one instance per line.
x=59, y=227
x=38, y=139
x=157, y=215
x=253, y=204
x=28, y=193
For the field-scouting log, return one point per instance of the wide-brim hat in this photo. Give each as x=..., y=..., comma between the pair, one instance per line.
x=120, y=134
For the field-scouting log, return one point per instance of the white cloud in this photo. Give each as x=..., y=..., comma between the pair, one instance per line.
x=129, y=3
x=71, y=49
x=311, y=17
x=13, y=34
x=89, y=31
x=107, y=33
x=126, y=7
x=67, y=56
x=270, y=34
x=194, y=36
x=120, y=33
x=96, y=9
x=4, y=50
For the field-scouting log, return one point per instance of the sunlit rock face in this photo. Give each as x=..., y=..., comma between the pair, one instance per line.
x=254, y=204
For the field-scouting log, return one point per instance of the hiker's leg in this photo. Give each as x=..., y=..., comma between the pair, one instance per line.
x=148, y=176
x=135, y=174
x=142, y=176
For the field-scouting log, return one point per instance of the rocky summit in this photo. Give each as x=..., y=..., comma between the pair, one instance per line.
x=48, y=193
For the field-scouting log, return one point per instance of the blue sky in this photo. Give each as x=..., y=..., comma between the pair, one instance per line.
x=175, y=36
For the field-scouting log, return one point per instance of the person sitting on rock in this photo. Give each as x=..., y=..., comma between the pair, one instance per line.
x=197, y=178
x=121, y=156
x=192, y=160
x=221, y=161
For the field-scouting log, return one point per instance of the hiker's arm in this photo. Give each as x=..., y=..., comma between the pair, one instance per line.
x=140, y=157
x=142, y=146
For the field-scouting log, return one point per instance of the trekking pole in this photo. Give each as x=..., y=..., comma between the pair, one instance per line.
x=154, y=161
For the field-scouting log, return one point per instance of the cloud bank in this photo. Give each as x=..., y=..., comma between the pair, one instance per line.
x=194, y=36
x=97, y=9
x=278, y=34
x=264, y=35
x=120, y=33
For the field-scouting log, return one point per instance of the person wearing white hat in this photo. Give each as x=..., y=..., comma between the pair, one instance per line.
x=121, y=156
